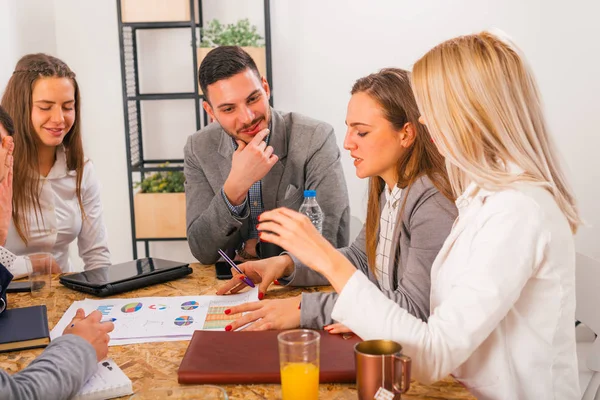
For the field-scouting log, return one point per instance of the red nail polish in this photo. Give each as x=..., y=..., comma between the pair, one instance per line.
x=228, y=311
x=258, y=218
x=241, y=277
x=276, y=282
x=227, y=328
x=261, y=295
x=257, y=227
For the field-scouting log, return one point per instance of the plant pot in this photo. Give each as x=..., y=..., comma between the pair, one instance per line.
x=257, y=53
x=159, y=215
x=155, y=10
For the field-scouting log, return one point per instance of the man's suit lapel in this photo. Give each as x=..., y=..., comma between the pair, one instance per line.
x=279, y=141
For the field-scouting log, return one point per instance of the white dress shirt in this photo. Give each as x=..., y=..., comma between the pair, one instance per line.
x=502, y=301
x=62, y=221
x=387, y=226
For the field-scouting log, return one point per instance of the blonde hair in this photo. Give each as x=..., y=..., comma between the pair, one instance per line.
x=483, y=110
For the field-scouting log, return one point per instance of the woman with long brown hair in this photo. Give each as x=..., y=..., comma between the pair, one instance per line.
x=410, y=212
x=56, y=195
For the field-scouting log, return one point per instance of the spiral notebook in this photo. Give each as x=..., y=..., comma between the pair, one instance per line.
x=107, y=383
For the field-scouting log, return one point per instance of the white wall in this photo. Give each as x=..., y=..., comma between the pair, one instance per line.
x=25, y=27
x=319, y=50
x=7, y=42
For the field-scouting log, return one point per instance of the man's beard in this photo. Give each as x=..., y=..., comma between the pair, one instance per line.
x=236, y=136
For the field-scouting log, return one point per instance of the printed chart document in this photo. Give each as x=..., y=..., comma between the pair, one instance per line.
x=159, y=319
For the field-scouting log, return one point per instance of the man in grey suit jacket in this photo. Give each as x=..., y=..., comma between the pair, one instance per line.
x=252, y=159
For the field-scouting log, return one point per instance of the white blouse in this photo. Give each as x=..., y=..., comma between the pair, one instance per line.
x=502, y=301
x=62, y=220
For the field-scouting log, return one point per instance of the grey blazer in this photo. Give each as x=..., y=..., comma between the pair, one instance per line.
x=420, y=231
x=308, y=159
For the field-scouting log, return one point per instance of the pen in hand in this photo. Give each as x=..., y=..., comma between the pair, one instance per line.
x=245, y=279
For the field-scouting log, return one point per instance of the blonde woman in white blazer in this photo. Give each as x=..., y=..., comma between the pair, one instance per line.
x=503, y=285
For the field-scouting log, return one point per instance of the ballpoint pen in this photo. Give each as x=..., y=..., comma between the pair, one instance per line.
x=245, y=279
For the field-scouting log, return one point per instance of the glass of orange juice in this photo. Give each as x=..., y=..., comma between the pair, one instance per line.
x=299, y=364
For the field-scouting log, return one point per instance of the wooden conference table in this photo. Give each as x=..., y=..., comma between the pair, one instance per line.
x=153, y=365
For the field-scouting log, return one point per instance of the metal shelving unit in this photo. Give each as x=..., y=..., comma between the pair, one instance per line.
x=132, y=100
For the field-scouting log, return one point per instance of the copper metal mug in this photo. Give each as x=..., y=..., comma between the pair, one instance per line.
x=379, y=363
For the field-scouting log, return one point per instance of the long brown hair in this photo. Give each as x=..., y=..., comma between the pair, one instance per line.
x=391, y=90
x=17, y=101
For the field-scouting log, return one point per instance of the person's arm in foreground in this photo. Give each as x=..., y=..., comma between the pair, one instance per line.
x=65, y=365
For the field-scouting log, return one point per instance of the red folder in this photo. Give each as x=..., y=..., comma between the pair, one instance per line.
x=253, y=357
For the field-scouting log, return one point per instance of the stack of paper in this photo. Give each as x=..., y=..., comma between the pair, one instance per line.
x=159, y=319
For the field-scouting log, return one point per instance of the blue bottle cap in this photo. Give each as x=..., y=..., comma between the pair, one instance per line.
x=310, y=193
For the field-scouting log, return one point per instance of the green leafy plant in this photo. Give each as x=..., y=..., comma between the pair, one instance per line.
x=162, y=182
x=241, y=34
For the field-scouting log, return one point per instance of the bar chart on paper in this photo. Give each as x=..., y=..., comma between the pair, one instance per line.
x=216, y=317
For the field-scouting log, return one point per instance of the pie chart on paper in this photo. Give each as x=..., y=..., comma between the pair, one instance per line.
x=184, y=320
x=159, y=307
x=189, y=305
x=131, y=307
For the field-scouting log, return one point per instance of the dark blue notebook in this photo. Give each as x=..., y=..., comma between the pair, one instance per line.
x=24, y=328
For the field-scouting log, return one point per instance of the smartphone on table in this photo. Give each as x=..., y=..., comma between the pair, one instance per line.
x=224, y=270
x=20, y=286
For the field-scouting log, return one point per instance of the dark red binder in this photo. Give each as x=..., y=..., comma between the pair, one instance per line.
x=253, y=357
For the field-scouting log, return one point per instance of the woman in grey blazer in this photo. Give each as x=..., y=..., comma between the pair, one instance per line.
x=410, y=212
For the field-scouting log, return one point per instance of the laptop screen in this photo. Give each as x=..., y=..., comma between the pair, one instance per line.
x=122, y=272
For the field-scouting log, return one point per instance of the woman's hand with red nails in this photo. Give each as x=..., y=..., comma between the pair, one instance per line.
x=263, y=272
x=337, y=328
x=295, y=233
x=267, y=314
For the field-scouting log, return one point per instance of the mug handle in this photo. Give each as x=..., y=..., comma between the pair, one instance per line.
x=406, y=364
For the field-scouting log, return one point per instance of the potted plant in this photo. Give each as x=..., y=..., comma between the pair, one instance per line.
x=159, y=206
x=242, y=34
x=155, y=10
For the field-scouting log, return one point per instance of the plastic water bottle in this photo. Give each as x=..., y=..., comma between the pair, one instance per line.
x=311, y=209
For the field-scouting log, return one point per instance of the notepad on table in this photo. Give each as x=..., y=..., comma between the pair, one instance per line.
x=24, y=328
x=107, y=383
